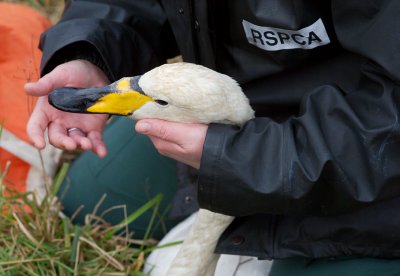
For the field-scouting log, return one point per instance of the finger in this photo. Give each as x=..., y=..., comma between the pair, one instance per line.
x=35, y=129
x=80, y=139
x=58, y=137
x=158, y=128
x=40, y=88
x=46, y=84
x=170, y=131
x=165, y=147
x=174, y=151
x=98, y=145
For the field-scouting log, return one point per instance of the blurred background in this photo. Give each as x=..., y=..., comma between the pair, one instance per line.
x=50, y=8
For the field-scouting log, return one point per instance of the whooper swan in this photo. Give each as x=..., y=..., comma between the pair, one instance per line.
x=180, y=92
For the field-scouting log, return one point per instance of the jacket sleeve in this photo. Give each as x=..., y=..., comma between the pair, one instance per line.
x=129, y=37
x=340, y=153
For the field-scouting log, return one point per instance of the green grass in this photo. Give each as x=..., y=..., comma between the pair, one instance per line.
x=36, y=240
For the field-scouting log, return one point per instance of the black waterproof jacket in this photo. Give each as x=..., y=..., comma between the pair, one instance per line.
x=317, y=173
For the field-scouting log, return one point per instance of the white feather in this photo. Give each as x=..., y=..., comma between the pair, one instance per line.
x=195, y=94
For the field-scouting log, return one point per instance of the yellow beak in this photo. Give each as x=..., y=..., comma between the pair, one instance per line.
x=122, y=97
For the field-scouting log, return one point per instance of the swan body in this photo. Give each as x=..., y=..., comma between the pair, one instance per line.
x=180, y=92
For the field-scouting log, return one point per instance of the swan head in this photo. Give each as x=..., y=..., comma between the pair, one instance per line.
x=181, y=92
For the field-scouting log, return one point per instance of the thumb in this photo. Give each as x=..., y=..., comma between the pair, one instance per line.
x=173, y=132
x=42, y=87
x=156, y=128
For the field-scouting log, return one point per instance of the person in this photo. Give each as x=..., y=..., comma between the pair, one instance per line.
x=312, y=180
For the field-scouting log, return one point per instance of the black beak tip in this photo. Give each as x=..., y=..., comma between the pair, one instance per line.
x=54, y=95
x=64, y=99
x=56, y=98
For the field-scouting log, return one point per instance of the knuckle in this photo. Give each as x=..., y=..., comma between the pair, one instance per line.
x=61, y=69
x=162, y=132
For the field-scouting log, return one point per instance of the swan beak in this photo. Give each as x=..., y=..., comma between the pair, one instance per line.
x=122, y=97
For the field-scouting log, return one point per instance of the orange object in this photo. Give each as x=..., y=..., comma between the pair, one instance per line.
x=20, y=29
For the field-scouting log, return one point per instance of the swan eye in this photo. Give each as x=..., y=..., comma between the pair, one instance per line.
x=161, y=102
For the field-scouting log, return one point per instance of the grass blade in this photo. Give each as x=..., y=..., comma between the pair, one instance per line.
x=153, y=202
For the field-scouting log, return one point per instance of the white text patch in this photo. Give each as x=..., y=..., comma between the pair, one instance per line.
x=274, y=39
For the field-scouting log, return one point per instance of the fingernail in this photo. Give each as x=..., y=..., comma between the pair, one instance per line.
x=142, y=127
x=101, y=152
x=27, y=85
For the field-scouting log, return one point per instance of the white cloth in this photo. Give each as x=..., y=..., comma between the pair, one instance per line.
x=158, y=262
x=43, y=163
